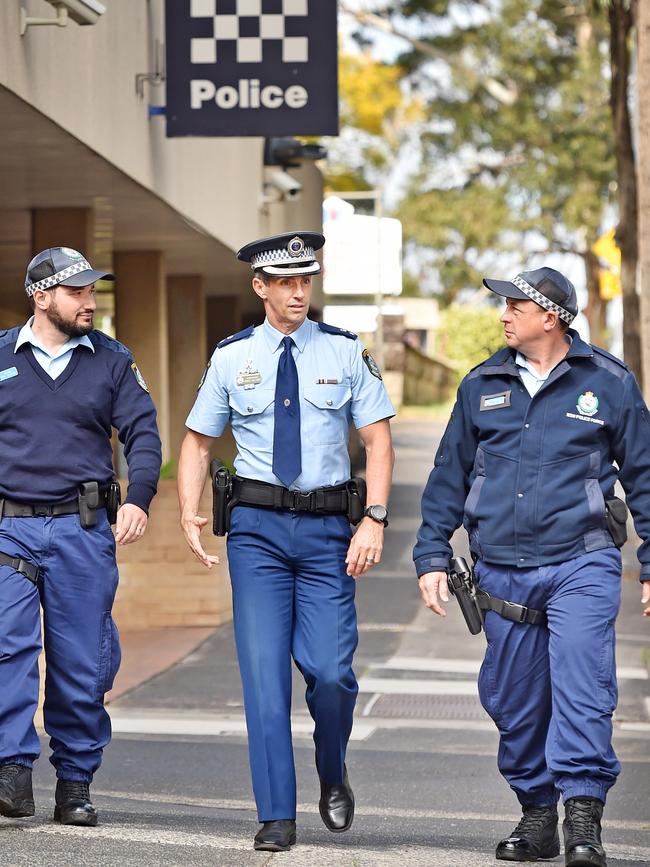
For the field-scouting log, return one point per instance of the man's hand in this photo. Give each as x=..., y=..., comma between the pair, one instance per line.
x=130, y=524
x=433, y=585
x=645, y=598
x=365, y=548
x=192, y=526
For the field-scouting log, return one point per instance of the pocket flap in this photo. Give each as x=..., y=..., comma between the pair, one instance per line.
x=328, y=396
x=251, y=402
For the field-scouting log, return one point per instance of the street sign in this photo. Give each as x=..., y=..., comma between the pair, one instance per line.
x=251, y=67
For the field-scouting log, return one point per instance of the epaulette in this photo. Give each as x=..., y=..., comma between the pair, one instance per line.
x=241, y=335
x=609, y=355
x=332, y=329
x=101, y=339
x=9, y=335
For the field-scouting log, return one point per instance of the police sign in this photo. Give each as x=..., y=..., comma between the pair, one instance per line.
x=251, y=67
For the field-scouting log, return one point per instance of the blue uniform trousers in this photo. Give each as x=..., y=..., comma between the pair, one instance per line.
x=292, y=598
x=552, y=691
x=79, y=580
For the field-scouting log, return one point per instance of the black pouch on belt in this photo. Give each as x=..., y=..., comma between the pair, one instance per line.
x=616, y=516
x=356, y=490
x=88, y=504
x=113, y=500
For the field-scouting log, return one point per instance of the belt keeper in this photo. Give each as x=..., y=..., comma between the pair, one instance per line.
x=2, y=508
x=278, y=498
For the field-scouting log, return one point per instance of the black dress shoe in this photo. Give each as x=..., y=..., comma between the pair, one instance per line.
x=276, y=836
x=534, y=837
x=73, y=804
x=336, y=805
x=16, y=796
x=582, y=843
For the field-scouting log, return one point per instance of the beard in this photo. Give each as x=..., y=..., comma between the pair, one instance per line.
x=69, y=327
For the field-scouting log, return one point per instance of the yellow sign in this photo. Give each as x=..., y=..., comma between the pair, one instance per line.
x=609, y=255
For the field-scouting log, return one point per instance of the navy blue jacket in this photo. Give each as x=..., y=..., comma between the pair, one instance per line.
x=55, y=434
x=528, y=477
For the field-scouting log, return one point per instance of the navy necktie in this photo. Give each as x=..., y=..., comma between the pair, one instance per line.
x=287, y=460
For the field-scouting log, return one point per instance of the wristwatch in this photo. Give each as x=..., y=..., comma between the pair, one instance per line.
x=377, y=513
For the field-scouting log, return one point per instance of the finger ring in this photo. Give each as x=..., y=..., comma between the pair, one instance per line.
x=370, y=559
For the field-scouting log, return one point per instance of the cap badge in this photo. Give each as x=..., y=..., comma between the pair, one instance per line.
x=296, y=247
x=70, y=253
x=248, y=377
x=587, y=403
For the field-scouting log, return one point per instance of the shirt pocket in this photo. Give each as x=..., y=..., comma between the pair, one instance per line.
x=252, y=418
x=327, y=413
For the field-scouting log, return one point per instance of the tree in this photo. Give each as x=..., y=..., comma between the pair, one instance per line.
x=517, y=155
x=643, y=91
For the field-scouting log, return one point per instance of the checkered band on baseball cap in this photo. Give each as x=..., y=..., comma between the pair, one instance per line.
x=61, y=266
x=545, y=286
x=542, y=300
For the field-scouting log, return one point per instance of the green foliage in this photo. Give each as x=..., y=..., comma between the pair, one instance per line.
x=168, y=470
x=468, y=335
x=517, y=150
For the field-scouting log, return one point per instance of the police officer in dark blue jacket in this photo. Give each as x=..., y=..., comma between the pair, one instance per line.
x=63, y=387
x=539, y=435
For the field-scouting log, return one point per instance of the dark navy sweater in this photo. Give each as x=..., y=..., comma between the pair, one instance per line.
x=56, y=433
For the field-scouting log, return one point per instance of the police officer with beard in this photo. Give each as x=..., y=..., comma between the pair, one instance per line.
x=63, y=387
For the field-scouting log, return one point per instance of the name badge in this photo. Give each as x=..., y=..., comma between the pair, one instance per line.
x=495, y=401
x=8, y=373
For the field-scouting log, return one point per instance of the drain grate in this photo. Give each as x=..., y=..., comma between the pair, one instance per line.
x=460, y=707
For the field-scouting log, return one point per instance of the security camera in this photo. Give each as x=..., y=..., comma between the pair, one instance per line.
x=289, y=187
x=81, y=11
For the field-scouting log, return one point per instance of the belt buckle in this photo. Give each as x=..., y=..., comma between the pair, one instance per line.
x=301, y=502
x=44, y=511
x=519, y=610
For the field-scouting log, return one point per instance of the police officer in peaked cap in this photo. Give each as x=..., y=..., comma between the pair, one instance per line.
x=539, y=435
x=63, y=386
x=289, y=390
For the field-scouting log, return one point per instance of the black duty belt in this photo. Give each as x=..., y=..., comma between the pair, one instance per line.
x=14, y=509
x=29, y=570
x=510, y=610
x=323, y=501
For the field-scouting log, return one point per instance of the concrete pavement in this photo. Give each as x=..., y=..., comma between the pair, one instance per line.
x=175, y=790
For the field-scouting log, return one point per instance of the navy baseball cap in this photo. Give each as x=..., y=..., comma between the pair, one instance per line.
x=545, y=286
x=291, y=253
x=61, y=266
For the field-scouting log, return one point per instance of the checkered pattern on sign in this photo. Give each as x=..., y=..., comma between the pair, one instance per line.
x=542, y=300
x=234, y=18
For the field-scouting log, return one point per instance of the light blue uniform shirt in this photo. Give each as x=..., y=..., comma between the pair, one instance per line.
x=336, y=388
x=529, y=376
x=53, y=365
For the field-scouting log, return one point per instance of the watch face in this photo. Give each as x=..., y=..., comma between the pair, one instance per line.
x=379, y=513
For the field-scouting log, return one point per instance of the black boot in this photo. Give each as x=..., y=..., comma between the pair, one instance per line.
x=582, y=843
x=336, y=804
x=276, y=836
x=73, y=804
x=16, y=796
x=534, y=837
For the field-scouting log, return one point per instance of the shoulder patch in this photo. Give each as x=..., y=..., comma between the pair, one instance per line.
x=241, y=335
x=205, y=373
x=139, y=378
x=371, y=364
x=332, y=329
x=9, y=335
x=98, y=338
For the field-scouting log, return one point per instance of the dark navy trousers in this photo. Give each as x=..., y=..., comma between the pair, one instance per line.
x=292, y=598
x=552, y=691
x=79, y=580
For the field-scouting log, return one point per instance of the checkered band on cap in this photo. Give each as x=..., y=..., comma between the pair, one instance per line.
x=282, y=257
x=542, y=300
x=59, y=277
